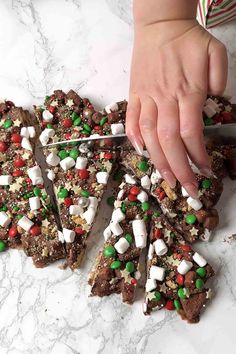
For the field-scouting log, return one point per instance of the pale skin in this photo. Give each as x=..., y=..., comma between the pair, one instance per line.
x=175, y=64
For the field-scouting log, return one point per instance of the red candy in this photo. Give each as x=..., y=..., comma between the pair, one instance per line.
x=97, y=127
x=68, y=136
x=52, y=109
x=67, y=122
x=108, y=142
x=180, y=279
x=226, y=117
x=162, y=195
x=133, y=281
x=170, y=305
x=16, y=138
x=35, y=230
x=186, y=248
x=157, y=233
x=83, y=174
x=3, y=146
x=13, y=231
x=134, y=190
x=108, y=155
x=18, y=162
x=17, y=173
x=79, y=231
x=68, y=202
x=132, y=198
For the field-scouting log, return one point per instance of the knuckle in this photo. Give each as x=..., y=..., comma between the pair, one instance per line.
x=147, y=124
x=188, y=132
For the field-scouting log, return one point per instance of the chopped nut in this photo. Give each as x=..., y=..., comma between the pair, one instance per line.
x=169, y=192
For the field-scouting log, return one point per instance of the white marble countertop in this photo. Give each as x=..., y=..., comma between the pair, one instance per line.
x=86, y=45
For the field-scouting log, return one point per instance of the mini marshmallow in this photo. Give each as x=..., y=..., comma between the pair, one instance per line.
x=4, y=219
x=196, y=204
x=24, y=132
x=117, y=215
x=34, y=203
x=145, y=182
x=120, y=194
x=75, y=210
x=52, y=159
x=69, y=235
x=212, y=104
x=83, y=148
x=60, y=236
x=89, y=215
x=199, y=260
x=31, y=131
x=47, y=116
x=184, y=267
x=151, y=284
x=184, y=192
x=102, y=177
x=150, y=251
x=140, y=233
x=46, y=135
x=37, y=180
x=142, y=196
x=51, y=175
x=67, y=163
x=49, y=132
x=107, y=233
x=5, y=180
x=93, y=202
x=122, y=245
x=35, y=175
x=25, y=223
x=112, y=107
x=116, y=228
x=137, y=275
x=25, y=143
x=155, y=177
x=81, y=163
x=129, y=179
x=206, y=236
x=209, y=111
x=157, y=273
x=160, y=247
x=117, y=128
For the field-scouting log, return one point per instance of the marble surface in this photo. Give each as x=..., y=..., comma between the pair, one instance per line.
x=86, y=45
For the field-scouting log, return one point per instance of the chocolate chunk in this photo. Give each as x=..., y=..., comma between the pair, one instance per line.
x=192, y=307
x=127, y=291
x=190, y=278
x=130, y=254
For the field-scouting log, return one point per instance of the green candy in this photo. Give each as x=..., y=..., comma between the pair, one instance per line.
x=133, y=203
x=63, y=193
x=109, y=251
x=47, y=98
x=157, y=214
x=19, y=216
x=116, y=264
x=206, y=183
x=74, y=116
x=129, y=238
x=177, y=304
x=123, y=207
x=49, y=126
x=143, y=166
x=77, y=122
x=181, y=293
x=157, y=295
x=74, y=154
x=147, y=218
x=208, y=121
x=110, y=201
x=190, y=219
x=103, y=121
x=7, y=123
x=2, y=246
x=4, y=208
x=85, y=193
x=201, y=272
x=85, y=132
x=63, y=154
x=199, y=283
x=37, y=191
x=129, y=267
x=172, y=235
x=145, y=206
x=16, y=208
x=87, y=127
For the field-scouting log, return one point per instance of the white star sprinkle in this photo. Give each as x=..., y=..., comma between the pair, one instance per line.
x=17, y=123
x=194, y=231
x=70, y=103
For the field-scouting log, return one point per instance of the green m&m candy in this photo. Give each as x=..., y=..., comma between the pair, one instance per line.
x=74, y=116
x=129, y=238
x=2, y=246
x=49, y=126
x=129, y=267
x=145, y=206
x=87, y=127
x=74, y=154
x=143, y=166
x=77, y=121
x=201, y=272
x=63, y=154
x=63, y=193
x=103, y=121
x=85, y=193
x=37, y=191
x=109, y=251
x=199, y=283
x=157, y=295
x=181, y=293
x=177, y=304
x=206, y=183
x=190, y=219
x=116, y=264
x=7, y=124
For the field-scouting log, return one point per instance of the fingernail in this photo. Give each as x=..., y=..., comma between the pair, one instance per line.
x=206, y=171
x=191, y=190
x=138, y=146
x=169, y=177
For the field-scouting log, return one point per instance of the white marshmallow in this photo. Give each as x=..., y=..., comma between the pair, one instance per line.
x=81, y=163
x=122, y=245
x=129, y=179
x=213, y=104
x=196, y=204
x=137, y=275
x=34, y=172
x=146, y=182
x=69, y=235
x=34, y=203
x=142, y=196
x=140, y=233
x=67, y=163
x=116, y=228
x=120, y=194
x=47, y=116
x=184, y=267
x=160, y=247
x=5, y=180
x=60, y=237
x=25, y=143
x=49, y=132
x=112, y=107
x=83, y=148
x=184, y=192
x=117, y=128
x=24, y=132
x=151, y=284
x=75, y=210
x=102, y=177
x=46, y=135
x=107, y=233
x=89, y=215
x=150, y=251
x=93, y=202
x=52, y=159
x=199, y=260
x=117, y=215
x=209, y=111
x=4, y=219
x=206, y=236
x=25, y=223
x=37, y=180
x=157, y=273
x=155, y=177
x=31, y=131
x=51, y=175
